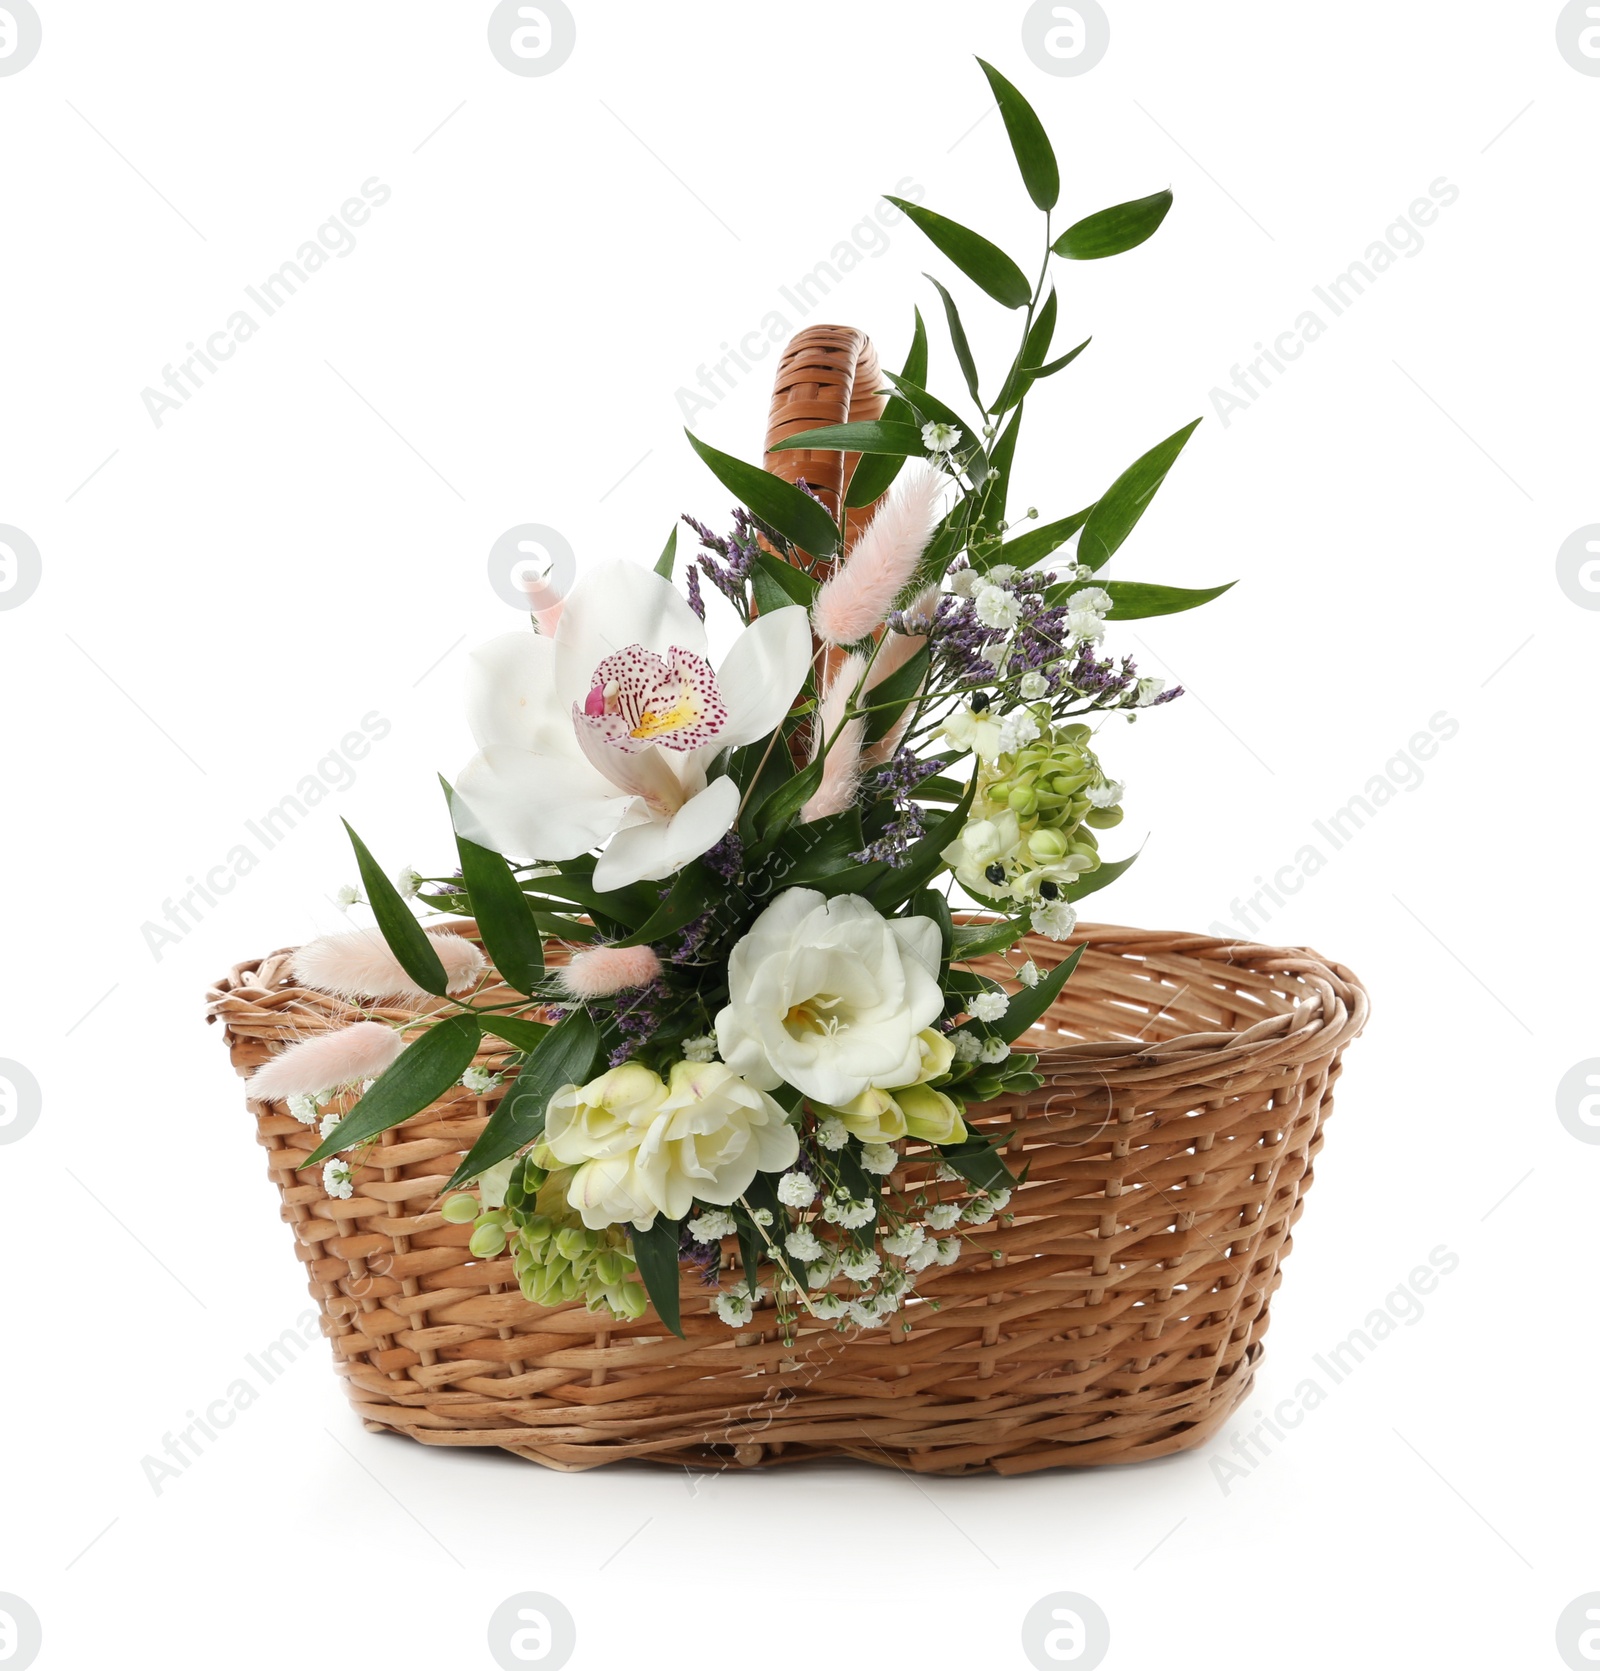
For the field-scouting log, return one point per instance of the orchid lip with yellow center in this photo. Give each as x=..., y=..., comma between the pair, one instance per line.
x=638, y=700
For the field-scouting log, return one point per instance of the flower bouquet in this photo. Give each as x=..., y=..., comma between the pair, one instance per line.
x=753, y=1026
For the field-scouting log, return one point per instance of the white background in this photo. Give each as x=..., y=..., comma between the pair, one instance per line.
x=304, y=542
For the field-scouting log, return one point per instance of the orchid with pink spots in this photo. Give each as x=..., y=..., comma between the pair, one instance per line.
x=608, y=731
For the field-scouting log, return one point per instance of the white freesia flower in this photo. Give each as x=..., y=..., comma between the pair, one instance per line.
x=642, y=1147
x=830, y=997
x=607, y=729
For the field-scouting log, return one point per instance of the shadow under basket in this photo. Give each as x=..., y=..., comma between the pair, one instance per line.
x=1114, y=1312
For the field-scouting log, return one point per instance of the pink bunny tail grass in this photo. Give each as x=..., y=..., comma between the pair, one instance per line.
x=856, y=600
x=360, y=965
x=602, y=970
x=347, y=1057
x=544, y=604
x=894, y=652
x=841, y=770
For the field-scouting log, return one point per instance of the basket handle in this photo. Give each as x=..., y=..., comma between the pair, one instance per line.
x=828, y=375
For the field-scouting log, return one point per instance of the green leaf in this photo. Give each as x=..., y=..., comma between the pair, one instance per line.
x=668, y=553
x=1133, y=600
x=401, y=931
x=800, y=587
x=1064, y=361
x=515, y=1029
x=752, y=1244
x=1036, y=157
x=1037, y=544
x=1034, y=348
x=564, y=1056
x=958, y=341
x=505, y=918
x=421, y=1074
x=875, y=472
x=902, y=440
x=889, y=699
x=978, y=1163
x=932, y=904
x=795, y=515
x=1113, y=230
x=1124, y=502
x=821, y=849
x=656, y=1251
x=1029, y=1005
x=928, y=406
x=692, y=892
x=782, y=807
x=1102, y=876
x=986, y=264
x=985, y=939
x=997, y=486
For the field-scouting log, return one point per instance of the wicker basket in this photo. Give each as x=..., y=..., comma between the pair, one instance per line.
x=1116, y=1313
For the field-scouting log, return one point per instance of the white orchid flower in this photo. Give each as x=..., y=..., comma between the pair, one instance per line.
x=606, y=729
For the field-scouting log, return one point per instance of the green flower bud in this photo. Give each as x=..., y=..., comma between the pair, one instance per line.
x=487, y=1240
x=534, y=1176
x=629, y=1300
x=460, y=1209
x=536, y=1230
x=1074, y=734
x=570, y=1243
x=1047, y=846
x=611, y=1267
x=1023, y=802
x=1069, y=783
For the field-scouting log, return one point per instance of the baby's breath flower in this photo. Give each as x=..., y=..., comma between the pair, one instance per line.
x=480, y=1081
x=862, y=1266
x=829, y=1306
x=712, y=1226
x=923, y=1257
x=949, y=1250
x=940, y=438
x=1028, y=974
x=878, y=1158
x=994, y=1050
x=762, y=1216
x=734, y=1309
x=701, y=1049
x=1017, y=729
x=847, y=1212
x=1033, y=686
x=942, y=1216
x=819, y=1275
x=328, y=1125
x=304, y=1109
x=1103, y=794
x=947, y=1174
x=905, y=1241
x=407, y=882
x=967, y=1045
x=995, y=606
x=795, y=1189
x=1149, y=690
x=336, y=1179
x=979, y=1211
x=345, y=897
x=990, y=1006
x=1054, y=920
x=831, y=1134
x=802, y=1243
x=862, y=1313
x=1002, y=574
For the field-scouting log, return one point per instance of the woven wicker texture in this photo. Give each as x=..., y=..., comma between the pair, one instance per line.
x=828, y=375
x=1117, y=1315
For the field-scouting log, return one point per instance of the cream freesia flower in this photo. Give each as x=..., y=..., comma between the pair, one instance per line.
x=642, y=1147
x=607, y=729
x=829, y=996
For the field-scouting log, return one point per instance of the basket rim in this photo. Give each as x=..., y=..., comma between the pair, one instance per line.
x=1334, y=1008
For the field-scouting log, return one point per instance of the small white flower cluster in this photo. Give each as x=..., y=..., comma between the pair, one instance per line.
x=1086, y=614
x=480, y=1081
x=702, y=1049
x=812, y=1255
x=337, y=1180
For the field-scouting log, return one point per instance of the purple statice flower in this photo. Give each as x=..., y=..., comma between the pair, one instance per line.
x=637, y=1021
x=897, y=781
x=691, y=938
x=1168, y=696
x=730, y=560
x=692, y=585
x=726, y=857
x=705, y=1257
